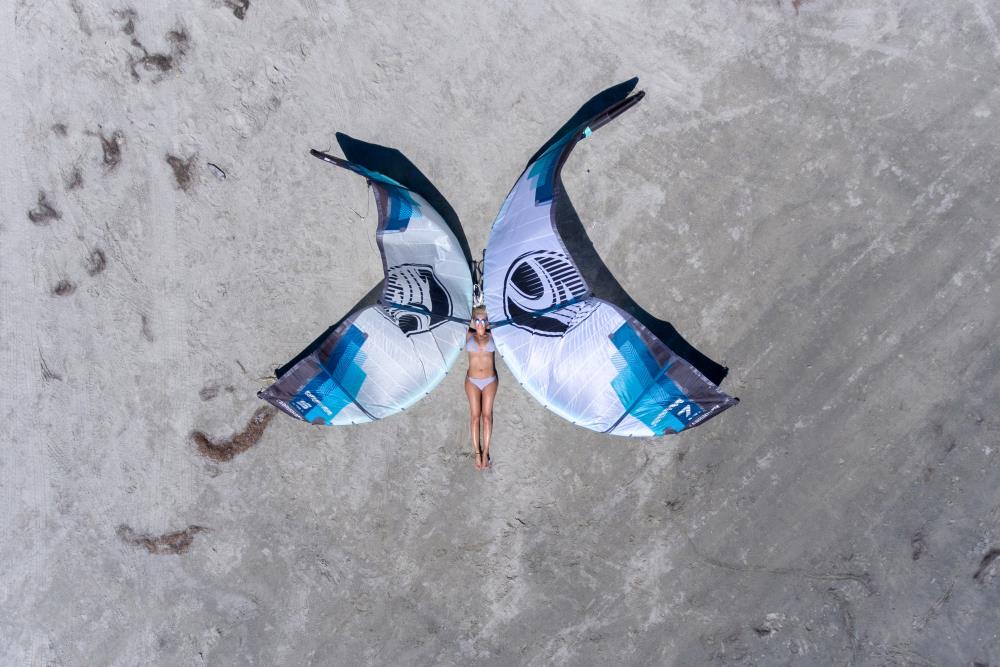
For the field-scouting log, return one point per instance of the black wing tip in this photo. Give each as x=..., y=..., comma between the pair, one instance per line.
x=326, y=157
x=596, y=112
x=628, y=88
x=616, y=109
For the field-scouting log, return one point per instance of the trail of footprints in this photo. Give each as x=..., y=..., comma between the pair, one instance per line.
x=95, y=263
x=112, y=142
x=156, y=64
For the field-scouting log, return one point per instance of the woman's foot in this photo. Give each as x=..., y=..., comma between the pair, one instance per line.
x=479, y=461
x=487, y=461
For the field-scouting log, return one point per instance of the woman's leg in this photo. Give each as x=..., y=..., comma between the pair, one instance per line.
x=475, y=411
x=487, y=410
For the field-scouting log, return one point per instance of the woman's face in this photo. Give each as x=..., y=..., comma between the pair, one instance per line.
x=479, y=321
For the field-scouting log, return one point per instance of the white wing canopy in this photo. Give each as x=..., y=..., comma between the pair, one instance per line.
x=384, y=357
x=580, y=356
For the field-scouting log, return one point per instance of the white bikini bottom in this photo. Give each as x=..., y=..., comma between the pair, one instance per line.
x=482, y=383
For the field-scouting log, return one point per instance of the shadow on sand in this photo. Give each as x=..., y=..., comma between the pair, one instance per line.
x=598, y=110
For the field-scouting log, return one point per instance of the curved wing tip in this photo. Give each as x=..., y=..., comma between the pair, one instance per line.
x=626, y=86
x=326, y=157
x=629, y=88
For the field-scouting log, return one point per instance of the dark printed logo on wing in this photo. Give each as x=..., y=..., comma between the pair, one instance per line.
x=539, y=280
x=427, y=303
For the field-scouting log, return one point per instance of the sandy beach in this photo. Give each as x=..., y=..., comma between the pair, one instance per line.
x=807, y=193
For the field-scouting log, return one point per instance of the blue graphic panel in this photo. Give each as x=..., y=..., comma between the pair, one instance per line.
x=543, y=171
x=401, y=204
x=339, y=382
x=645, y=390
x=401, y=208
x=665, y=406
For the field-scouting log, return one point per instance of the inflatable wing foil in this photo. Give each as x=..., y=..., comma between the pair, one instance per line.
x=582, y=357
x=384, y=357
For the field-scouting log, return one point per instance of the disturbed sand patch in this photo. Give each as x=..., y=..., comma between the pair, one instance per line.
x=44, y=212
x=96, y=262
x=64, y=288
x=175, y=543
x=182, y=170
x=226, y=450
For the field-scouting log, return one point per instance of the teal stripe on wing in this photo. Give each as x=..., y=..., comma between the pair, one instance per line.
x=327, y=393
x=644, y=388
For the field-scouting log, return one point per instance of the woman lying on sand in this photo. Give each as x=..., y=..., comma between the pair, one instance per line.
x=480, y=383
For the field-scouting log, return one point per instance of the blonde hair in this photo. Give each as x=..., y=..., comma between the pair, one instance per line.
x=479, y=309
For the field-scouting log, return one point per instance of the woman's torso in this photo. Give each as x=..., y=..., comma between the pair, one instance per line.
x=480, y=356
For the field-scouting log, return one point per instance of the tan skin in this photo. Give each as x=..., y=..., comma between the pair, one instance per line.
x=481, y=401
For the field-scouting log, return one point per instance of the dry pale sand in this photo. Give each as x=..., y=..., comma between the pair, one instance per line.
x=808, y=192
